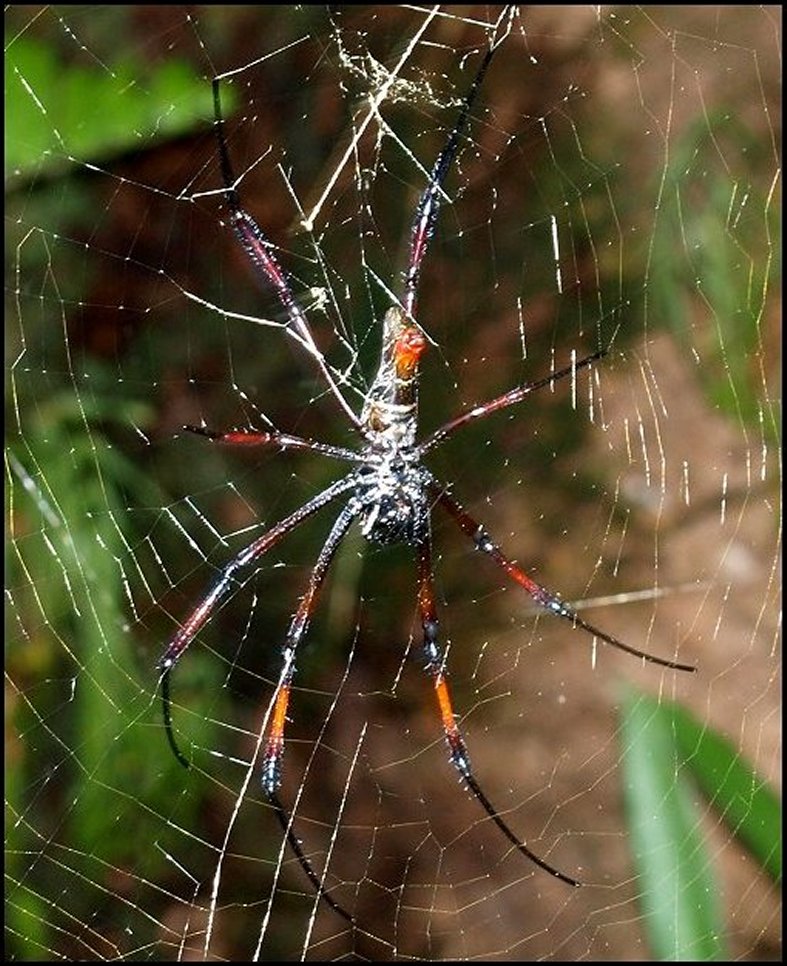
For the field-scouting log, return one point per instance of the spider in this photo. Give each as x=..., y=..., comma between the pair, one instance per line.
x=389, y=490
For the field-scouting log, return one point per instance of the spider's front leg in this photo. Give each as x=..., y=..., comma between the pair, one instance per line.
x=436, y=666
x=272, y=437
x=261, y=254
x=429, y=203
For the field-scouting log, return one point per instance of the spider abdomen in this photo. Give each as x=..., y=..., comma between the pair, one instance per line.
x=392, y=494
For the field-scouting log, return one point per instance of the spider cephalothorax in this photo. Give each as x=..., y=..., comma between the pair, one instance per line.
x=390, y=411
x=389, y=491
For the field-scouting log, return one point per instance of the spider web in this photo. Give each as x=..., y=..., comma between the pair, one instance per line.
x=619, y=185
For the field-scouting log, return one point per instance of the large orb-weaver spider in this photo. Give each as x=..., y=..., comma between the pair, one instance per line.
x=389, y=490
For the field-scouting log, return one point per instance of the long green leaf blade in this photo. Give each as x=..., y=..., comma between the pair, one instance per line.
x=676, y=883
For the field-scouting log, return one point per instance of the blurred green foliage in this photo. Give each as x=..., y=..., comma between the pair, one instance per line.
x=78, y=714
x=715, y=261
x=58, y=113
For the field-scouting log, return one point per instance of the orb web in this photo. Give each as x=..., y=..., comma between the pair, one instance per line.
x=618, y=185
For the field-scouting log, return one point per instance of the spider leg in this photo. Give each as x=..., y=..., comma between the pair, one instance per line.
x=274, y=748
x=429, y=203
x=283, y=441
x=436, y=666
x=226, y=581
x=509, y=398
x=541, y=595
x=260, y=252
x=294, y=843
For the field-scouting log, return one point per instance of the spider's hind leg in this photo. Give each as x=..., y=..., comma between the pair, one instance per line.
x=541, y=595
x=436, y=667
x=294, y=843
x=229, y=578
x=274, y=748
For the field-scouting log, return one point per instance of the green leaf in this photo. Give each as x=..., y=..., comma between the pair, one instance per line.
x=58, y=112
x=747, y=805
x=676, y=884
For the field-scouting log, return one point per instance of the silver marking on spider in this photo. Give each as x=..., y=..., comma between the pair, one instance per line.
x=482, y=540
